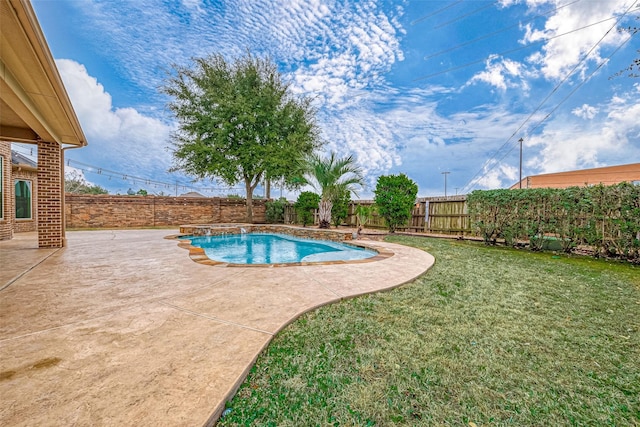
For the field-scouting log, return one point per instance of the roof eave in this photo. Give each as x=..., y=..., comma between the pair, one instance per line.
x=52, y=120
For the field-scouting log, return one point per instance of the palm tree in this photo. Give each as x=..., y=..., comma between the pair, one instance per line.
x=331, y=176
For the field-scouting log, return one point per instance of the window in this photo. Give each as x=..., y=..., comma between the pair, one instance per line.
x=23, y=199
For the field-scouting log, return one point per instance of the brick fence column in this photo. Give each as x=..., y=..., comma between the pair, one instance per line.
x=6, y=216
x=50, y=196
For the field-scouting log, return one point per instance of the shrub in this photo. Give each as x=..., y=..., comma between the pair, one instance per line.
x=306, y=204
x=395, y=196
x=340, y=209
x=274, y=210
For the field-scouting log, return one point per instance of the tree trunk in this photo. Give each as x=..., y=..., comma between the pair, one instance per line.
x=249, y=190
x=324, y=213
x=250, y=184
x=267, y=189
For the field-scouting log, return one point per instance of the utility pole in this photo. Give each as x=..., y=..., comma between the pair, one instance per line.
x=445, y=182
x=520, y=141
x=457, y=190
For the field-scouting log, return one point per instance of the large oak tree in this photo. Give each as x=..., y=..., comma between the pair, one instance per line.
x=238, y=122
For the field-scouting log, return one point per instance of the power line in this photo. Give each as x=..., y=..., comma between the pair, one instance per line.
x=87, y=168
x=488, y=162
x=486, y=36
x=506, y=52
x=436, y=12
x=26, y=151
x=558, y=105
x=111, y=174
x=473, y=12
x=582, y=83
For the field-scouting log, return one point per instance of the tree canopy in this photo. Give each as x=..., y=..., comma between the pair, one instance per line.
x=238, y=122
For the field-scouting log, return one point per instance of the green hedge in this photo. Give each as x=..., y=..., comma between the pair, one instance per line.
x=606, y=218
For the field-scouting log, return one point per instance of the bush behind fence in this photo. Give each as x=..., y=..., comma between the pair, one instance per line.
x=605, y=218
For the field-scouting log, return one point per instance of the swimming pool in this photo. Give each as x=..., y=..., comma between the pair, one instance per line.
x=272, y=248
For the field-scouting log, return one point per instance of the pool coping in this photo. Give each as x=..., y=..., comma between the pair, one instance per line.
x=198, y=254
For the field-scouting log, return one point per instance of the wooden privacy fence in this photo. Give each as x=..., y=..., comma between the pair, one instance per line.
x=436, y=215
x=447, y=215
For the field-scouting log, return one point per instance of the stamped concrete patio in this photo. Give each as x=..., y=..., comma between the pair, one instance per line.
x=123, y=328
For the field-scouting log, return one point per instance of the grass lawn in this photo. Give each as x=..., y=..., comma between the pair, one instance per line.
x=489, y=336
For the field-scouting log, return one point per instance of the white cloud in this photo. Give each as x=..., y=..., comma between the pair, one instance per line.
x=196, y=6
x=337, y=40
x=76, y=174
x=567, y=145
x=560, y=54
x=123, y=136
x=329, y=51
x=497, y=176
x=360, y=45
x=502, y=73
x=361, y=132
x=459, y=143
x=585, y=111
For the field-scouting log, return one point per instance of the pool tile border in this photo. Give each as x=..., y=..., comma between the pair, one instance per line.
x=198, y=254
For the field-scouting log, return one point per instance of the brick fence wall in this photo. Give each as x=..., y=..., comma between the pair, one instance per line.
x=107, y=211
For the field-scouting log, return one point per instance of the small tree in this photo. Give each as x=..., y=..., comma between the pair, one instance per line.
x=331, y=176
x=340, y=209
x=395, y=196
x=274, y=210
x=363, y=215
x=306, y=204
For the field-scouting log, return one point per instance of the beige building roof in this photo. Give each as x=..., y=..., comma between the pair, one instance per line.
x=192, y=194
x=33, y=101
x=606, y=175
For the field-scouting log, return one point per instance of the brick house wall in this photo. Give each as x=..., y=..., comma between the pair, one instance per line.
x=50, y=196
x=6, y=217
x=108, y=211
x=25, y=225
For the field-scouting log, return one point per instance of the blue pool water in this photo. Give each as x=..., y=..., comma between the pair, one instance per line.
x=265, y=248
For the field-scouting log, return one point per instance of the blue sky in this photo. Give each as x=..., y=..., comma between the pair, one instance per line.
x=414, y=87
